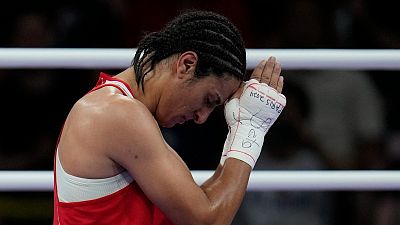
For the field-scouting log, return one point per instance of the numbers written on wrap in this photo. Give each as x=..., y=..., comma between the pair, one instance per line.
x=250, y=139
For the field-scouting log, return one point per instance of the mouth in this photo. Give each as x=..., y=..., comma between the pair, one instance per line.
x=172, y=123
x=179, y=120
x=182, y=120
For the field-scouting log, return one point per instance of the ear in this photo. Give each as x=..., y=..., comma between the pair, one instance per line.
x=186, y=64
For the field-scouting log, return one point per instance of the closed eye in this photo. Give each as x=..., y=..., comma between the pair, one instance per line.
x=219, y=100
x=212, y=103
x=209, y=102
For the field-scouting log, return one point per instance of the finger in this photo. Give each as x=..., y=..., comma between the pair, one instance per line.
x=267, y=73
x=275, y=75
x=279, y=88
x=258, y=70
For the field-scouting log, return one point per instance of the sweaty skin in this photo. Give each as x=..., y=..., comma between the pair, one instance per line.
x=112, y=133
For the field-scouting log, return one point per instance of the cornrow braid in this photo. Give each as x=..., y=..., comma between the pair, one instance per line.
x=216, y=41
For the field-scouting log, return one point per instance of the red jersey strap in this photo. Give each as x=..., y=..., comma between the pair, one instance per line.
x=102, y=82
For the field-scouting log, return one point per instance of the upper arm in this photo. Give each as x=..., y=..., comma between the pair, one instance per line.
x=139, y=147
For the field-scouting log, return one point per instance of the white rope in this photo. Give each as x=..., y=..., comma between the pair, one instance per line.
x=332, y=180
x=312, y=59
x=260, y=180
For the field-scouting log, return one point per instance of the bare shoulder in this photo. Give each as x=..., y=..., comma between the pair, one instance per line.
x=102, y=128
x=130, y=120
x=116, y=118
x=133, y=139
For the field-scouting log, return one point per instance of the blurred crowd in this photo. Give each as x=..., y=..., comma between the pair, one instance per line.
x=334, y=119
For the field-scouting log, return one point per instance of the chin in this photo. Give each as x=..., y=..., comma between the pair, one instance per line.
x=167, y=124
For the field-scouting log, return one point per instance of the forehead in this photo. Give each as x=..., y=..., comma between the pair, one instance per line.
x=225, y=86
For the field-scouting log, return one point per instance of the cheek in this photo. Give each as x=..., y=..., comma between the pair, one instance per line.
x=164, y=111
x=171, y=109
x=186, y=102
x=181, y=103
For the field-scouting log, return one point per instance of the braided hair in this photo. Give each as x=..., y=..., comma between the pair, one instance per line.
x=216, y=41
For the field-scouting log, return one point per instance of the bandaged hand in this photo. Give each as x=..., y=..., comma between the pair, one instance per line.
x=249, y=118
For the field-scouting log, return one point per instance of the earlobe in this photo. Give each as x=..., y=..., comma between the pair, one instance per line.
x=186, y=64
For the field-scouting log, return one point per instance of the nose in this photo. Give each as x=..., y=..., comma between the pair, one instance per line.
x=201, y=115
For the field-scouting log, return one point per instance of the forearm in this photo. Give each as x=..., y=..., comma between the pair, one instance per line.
x=249, y=119
x=226, y=189
x=215, y=176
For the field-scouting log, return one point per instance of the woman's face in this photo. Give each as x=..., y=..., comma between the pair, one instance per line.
x=194, y=99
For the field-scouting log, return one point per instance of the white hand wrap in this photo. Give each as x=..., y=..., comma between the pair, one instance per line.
x=249, y=119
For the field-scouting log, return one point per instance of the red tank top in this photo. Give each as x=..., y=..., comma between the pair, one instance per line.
x=128, y=206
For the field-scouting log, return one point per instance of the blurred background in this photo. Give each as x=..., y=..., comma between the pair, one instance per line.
x=334, y=120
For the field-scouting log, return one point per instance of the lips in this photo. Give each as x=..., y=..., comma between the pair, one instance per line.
x=180, y=120
x=183, y=119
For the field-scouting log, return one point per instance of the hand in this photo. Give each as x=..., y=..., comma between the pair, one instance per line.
x=267, y=72
x=250, y=116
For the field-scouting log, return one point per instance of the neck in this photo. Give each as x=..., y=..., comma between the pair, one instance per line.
x=150, y=97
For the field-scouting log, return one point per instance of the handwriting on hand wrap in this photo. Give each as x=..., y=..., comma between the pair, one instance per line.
x=260, y=116
x=267, y=100
x=250, y=139
x=258, y=122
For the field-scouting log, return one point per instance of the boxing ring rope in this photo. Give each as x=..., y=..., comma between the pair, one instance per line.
x=301, y=59
x=84, y=58
x=260, y=180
